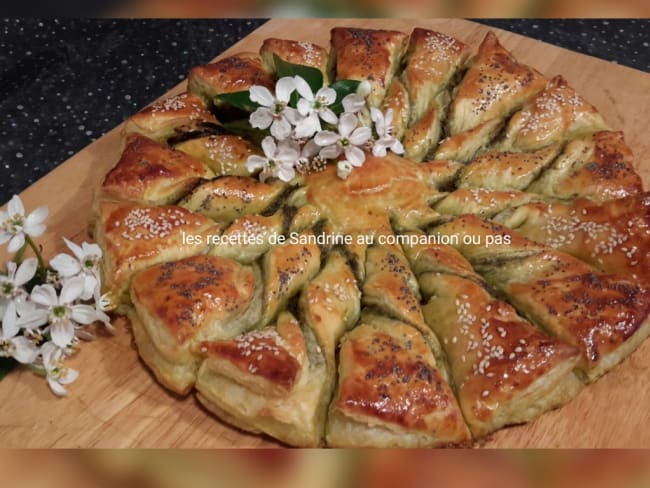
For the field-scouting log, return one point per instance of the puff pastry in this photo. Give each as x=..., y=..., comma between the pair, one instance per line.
x=225, y=155
x=495, y=86
x=295, y=52
x=135, y=236
x=169, y=117
x=421, y=322
x=370, y=55
x=505, y=371
x=204, y=297
x=598, y=166
x=558, y=113
x=390, y=392
x=149, y=172
x=228, y=75
x=612, y=236
x=606, y=316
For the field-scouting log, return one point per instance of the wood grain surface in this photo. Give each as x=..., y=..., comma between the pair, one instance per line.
x=117, y=403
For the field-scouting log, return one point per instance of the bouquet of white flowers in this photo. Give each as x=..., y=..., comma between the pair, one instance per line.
x=46, y=309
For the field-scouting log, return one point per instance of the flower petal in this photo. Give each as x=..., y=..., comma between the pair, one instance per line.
x=10, y=325
x=16, y=243
x=286, y=172
x=331, y=152
x=5, y=236
x=379, y=148
x=72, y=290
x=308, y=127
x=37, y=217
x=326, y=138
x=280, y=128
x=66, y=265
x=397, y=147
x=91, y=283
x=34, y=319
x=284, y=88
x=56, y=387
x=292, y=115
x=328, y=94
x=84, y=314
x=304, y=107
x=353, y=103
x=355, y=155
x=34, y=230
x=328, y=116
x=91, y=249
x=303, y=88
x=347, y=123
x=12, y=267
x=62, y=333
x=255, y=162
x=26, y=271
x=360, y=136
x=15, y=206
x=261, y=94
x=75, y=248
x=26, y=351
x=310, y=149
x=45, y=295
x=70, y=376
x=51, y=354
x=269, y=147
x=261, y=118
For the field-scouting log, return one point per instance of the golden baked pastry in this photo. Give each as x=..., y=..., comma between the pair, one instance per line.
x=477, y=281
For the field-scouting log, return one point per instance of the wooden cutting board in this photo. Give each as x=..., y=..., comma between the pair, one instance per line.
x=117, y=403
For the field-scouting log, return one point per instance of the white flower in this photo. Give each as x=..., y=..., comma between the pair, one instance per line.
x=313, y=108
x=60, y=311
x=104, y=304
x=347, y=141
x=20, y=348
x=278, y=160
x=353, y=103
x=343, y=169
x=14, y=225
x=11, y=286
x=56, y=373
x=384, y=128
x=364, y=88
x=84, y=263
x=274, y=111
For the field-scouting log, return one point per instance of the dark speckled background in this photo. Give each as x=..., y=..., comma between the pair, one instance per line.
x=64, y=83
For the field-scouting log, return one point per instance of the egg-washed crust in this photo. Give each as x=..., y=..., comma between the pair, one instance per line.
x=491, y=272
x=150, y=172
x=166, y=118
x=228, y=75
x=365, y=54
x=295, y=52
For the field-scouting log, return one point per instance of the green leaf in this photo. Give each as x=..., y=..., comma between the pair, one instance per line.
x=241, y=100
x=343, y=88
x=312, y=76
x=243, y=128
x=6, y=366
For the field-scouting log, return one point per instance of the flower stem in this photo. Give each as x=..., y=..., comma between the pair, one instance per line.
x=18, y=258
x=41, y=262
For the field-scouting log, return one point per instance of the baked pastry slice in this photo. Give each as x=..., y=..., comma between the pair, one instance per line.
x=248, y=237
x=185, y=112
x=481, y=202
x=178, y=304
x=424, y=134
x=464, y=146
x=287, y=268
x=367, y=54
x=135, y=236
x=605, y=316
x=433, y=61
x=504, y=370
x=330, y=304
x=612, y=236
x=557, y=114
x=494, y=87
x=480, y=241
x=506, y=171
x=273, y=380
x=295, y=52
x=228, y=75
x=390, y=391
x=225, y=155
x=229, y=197
x=597, y=166
x=149, y=172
